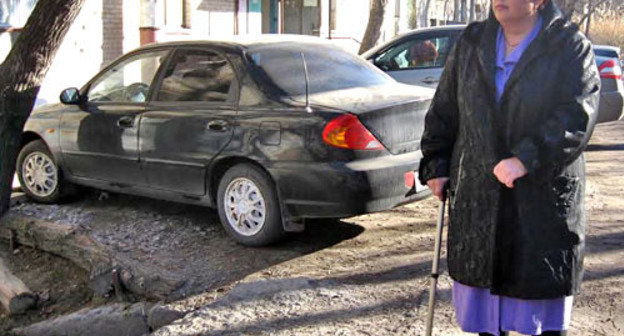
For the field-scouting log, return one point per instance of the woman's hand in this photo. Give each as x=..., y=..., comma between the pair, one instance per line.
x=436, y=185
x=508, y=170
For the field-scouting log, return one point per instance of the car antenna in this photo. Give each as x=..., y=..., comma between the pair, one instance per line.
x=307, y=82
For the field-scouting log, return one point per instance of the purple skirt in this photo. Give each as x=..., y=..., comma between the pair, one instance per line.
x=478, y=310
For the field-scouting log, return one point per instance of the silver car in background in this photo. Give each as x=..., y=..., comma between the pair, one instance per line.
x=612, y=88
x=418, y=56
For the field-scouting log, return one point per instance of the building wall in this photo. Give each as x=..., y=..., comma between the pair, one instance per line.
x=219, y=15
x=131, y=15
x=81, y=54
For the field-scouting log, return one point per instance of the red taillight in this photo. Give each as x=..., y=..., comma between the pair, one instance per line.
x=610, y=69
x=348, y=132
x=410, y=179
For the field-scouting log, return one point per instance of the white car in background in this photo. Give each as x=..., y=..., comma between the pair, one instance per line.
x=612, y=87
x=417, y=57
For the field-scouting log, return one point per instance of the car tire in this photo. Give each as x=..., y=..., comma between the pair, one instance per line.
x=39, y=174
x=249, y=207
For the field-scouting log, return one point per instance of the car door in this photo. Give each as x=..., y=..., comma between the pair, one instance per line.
x=418, y=59
x=99, y=140
x=189, y=120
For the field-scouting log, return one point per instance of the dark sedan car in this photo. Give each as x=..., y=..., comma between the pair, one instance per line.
x=270, y=132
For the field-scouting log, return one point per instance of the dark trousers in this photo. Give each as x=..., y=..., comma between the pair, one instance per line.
x=545, y=333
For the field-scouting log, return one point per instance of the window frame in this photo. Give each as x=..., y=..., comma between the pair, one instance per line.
x=232, y=103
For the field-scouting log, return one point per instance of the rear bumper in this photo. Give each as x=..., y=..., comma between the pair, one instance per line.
x=611, y=106
x=344, y=189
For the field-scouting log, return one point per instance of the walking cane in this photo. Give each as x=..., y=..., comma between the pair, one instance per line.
x=436, y=262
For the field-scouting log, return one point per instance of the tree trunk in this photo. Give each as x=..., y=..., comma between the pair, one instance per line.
x=426, y=13
x=588, y=22
x=456, y=10
x=21, y=75
x=413, y=14
x=373, y=29
x=472, y=11
x=463, y=11
x=15, y=297
x=76, y=245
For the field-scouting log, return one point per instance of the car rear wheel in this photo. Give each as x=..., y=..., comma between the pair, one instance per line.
x=38, y=174
x=248, y=206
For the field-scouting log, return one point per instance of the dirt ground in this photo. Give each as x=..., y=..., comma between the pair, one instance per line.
x=366, y=275
x=62, y=287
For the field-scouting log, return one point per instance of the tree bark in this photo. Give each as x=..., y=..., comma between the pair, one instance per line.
x=373, y=29
x=463, y=11
x=413, y=13
x=21, y=75
x=15, y=297
x=588, y=23
x=472, y=11
x=426, y=13
x=76, y=245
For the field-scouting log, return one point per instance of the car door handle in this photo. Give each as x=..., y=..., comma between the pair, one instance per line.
x=217, y=125
x=430, y=80
x=126, y=122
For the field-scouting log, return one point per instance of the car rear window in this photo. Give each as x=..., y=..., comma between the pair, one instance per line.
x=606, y=53
x=330, y=68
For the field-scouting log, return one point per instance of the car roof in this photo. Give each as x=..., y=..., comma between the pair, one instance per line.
x=244, y=42
x=434, y=29
x=450, y=27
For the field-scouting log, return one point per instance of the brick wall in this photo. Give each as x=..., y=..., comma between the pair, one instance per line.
x=112, y=34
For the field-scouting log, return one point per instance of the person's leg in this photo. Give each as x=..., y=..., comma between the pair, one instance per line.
x=502, y=333
x=553, y=333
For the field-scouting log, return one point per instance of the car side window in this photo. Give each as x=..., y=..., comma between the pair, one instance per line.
x=197, y=76
x=416, y=54
x=128, y=81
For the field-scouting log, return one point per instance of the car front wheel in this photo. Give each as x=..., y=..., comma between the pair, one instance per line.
x=248, y=206
x=38, y=174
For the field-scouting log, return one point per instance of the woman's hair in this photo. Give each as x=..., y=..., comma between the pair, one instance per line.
x=423, y=52
x=541, y=7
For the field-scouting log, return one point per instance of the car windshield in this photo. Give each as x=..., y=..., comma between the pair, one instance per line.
x=330, y=68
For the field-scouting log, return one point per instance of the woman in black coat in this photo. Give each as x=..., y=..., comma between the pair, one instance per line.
x=515, y=108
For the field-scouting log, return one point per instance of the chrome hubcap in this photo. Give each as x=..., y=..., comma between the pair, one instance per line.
x=244, y=206
x=39, y=174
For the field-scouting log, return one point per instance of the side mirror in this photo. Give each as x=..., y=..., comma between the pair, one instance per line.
x=70, y=96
